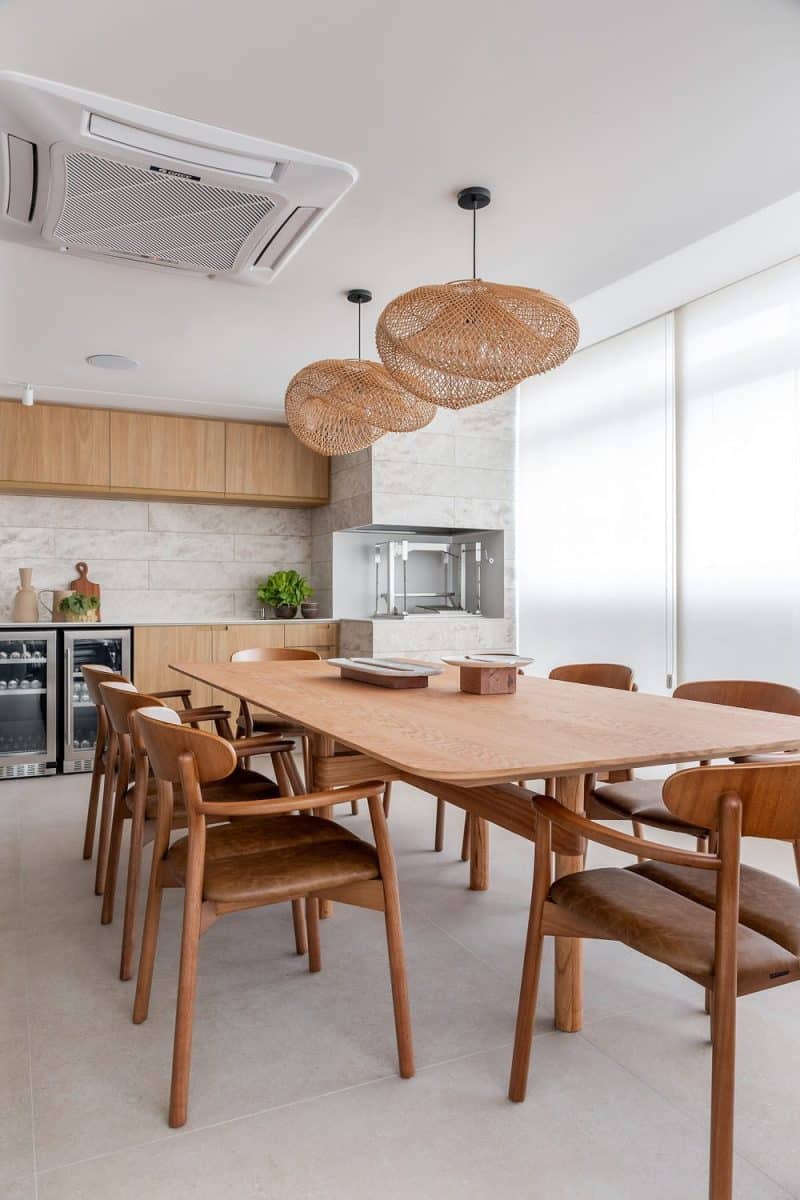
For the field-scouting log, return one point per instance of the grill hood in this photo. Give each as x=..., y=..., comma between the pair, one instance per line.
x=106, y=179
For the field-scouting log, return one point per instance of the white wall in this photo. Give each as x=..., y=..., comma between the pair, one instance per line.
x=152, y=560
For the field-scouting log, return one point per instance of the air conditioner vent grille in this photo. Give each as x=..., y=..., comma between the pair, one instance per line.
x=122, y=209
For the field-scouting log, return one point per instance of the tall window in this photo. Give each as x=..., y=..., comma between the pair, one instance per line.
x=651, y=450
x=592, y=505
x=738, y=360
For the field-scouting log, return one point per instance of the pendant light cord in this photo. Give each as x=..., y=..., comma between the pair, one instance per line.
x=474, y=239
x=358, y=306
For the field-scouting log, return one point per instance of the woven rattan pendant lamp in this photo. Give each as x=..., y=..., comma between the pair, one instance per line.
x=457, y=344
x=340, y=405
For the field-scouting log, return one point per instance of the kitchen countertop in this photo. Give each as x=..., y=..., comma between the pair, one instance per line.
x=217, y=621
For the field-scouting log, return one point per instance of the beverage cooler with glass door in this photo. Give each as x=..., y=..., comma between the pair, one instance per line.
x=28, y=703
x=47, y=721
x=105, y=648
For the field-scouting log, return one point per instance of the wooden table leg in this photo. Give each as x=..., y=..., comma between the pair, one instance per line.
x=479, y=854
x=569, y=951
x=322, y=746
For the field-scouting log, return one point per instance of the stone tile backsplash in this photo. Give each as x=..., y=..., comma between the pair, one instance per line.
x=152, y=560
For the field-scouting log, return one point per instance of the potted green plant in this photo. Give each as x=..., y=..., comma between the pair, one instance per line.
x=77, y=607
x=283, y=591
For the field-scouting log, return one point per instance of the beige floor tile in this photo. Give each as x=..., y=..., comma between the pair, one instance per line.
x=270, y=1037
x=16, y=1129
x=449, y=1133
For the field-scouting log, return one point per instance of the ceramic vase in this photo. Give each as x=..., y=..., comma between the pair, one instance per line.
x=25, y=610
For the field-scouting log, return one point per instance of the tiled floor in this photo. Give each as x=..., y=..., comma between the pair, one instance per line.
x=294, y=1095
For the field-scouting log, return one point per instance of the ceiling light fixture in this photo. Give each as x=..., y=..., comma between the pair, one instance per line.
x=458, y=344
x=112, y=362
x=27, y=395
x=341, y=405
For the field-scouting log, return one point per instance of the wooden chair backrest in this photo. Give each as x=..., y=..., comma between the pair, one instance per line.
x=120, y=702
x=166, y=740
x=609, y=675
x=272, y=654
x=770, y=795
x=743, y=693
x=94, y=674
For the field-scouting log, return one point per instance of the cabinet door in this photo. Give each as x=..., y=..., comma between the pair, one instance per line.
x=168, y=455
x=321, y=637
x=154, y=646
x=54, y=445
x=230, y=638
x=267, y=462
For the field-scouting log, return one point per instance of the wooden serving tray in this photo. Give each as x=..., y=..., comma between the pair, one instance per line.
x=388, y=681
x=384, y=674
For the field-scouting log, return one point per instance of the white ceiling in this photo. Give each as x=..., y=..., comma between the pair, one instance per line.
x=610, y=133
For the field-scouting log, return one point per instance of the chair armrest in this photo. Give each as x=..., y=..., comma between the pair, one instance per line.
x=551, y=810
x=263, y=744
x=276, y=805
x=173, y=694
x=213, y=712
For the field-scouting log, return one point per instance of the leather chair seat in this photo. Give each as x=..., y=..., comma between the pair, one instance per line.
x=270, y=859
x=638, y=800
x=667, y=926
x=767, y=904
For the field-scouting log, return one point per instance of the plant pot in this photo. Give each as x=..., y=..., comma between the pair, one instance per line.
x=88, y=618
x=310, y=609
x=285, y=612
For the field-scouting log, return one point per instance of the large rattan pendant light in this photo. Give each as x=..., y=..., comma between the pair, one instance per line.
x=340, y=405
x=460, y=343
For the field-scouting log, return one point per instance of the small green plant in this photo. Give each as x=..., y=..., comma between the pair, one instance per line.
x=284, y=587
x=79, y=604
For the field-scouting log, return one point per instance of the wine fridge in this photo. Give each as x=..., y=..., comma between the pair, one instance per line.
x=106, y=648
x=47, y=721
x=28, y=703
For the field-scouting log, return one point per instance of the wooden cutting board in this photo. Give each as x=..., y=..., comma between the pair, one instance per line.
x=84, y=585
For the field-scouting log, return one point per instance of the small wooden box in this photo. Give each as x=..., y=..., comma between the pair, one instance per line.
x=488, y=681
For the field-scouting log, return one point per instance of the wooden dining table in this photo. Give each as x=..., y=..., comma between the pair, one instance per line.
x=472, y=750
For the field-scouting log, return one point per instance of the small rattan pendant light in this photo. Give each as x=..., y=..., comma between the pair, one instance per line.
x=460, y=343
x=340, y=405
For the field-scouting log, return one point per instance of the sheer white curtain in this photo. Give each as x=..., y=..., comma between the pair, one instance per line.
x=738, y=387
x=594, y=504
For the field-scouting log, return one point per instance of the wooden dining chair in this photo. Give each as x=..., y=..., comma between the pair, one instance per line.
x=94, y=674
x=249, y=722
x=135, y=797
x=609, y=675
x=730, y=928
x=267, y=857
x=640, y=801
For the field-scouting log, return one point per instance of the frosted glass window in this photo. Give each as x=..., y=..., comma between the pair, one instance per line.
x=738, y=388
x=593, y=500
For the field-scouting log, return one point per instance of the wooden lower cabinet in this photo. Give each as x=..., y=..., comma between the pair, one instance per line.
x=320, y=637
x=230, y=638
x=154, y=646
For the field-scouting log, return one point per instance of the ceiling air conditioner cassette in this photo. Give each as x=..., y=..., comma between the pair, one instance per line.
x=105, y=179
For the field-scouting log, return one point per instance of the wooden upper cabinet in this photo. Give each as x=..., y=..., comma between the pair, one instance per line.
x=53, y=445
x=168, y=455
x=267, y=462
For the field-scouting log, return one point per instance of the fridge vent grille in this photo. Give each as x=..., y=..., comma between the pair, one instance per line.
x=155, y=215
